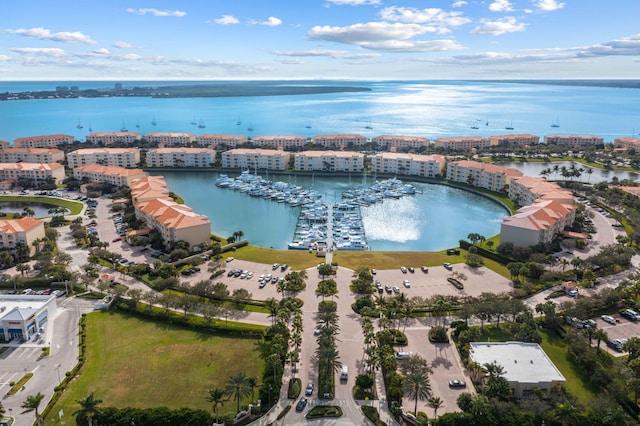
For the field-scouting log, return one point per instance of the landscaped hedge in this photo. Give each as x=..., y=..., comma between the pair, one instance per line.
x=373, y=415
x=457, y=284
x=295, y=385
x=438, y=335
x=320, y=411
x=486, y=253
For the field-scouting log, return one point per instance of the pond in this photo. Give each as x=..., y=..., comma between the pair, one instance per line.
x=41, y=209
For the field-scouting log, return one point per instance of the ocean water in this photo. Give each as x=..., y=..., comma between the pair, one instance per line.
x=420, y=108
x=435, y=219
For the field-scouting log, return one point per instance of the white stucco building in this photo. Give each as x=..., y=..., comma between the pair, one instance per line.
x=22, y=316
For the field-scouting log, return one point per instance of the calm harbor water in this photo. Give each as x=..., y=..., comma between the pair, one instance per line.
x=434, y=219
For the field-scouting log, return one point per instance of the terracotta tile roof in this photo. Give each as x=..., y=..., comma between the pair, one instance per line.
x=487, y=167
x=13, y=226
x=109, y=170
x=171, y=214
x=540, y=215
x=182, y=150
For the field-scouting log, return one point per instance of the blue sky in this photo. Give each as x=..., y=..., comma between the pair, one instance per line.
x=313, y=39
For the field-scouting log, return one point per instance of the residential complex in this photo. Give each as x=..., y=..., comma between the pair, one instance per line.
x=462, y=143
x=121, y=157
x=32, y=171
x=524, y=190
x=148, y=188
x=280, y=142
x=626, y=143
x=573, y=140
x=108, y=138
x=481, y=175
x=329, y=161
x=4, y=144
x=31, y=155
x=339, y=141
x=46, y=141
x=408, y=164
x=393, y=143
x=114, y=175
x=526, y=366
x=181, y=157
x=175, y=222
x=215, y=141
x=21, y=231
x=512, y=140
x=170, y=138
x=537, y=223
x=249, y=158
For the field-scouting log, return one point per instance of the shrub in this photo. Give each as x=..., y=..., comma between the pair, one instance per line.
x=372, y=414
x=438, y=335
x=457, y=284
x=320, y=411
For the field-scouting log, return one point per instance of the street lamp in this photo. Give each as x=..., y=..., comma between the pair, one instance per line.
x=58, y=370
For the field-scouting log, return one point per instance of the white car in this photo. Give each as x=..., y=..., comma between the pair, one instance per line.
x=609, y=319
x=406, y=283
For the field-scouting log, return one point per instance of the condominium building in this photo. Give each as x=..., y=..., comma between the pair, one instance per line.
x=21, y=231
x=108, y=138
x=524, y=190
x=339, y=141
x=32, y=171
x=4, y=144
x=408, y=164
x=45, y=141
x=175, y=222
x=114, y=175
x=121, y=157
x=329, y=161
x=626, y=143
x=248, y=158
x=537, y=223
x=279, y=142
x=31, y=155
x=514, y=140
x=462, y=143
x=181, y=157
x=391, y=142
x=148, y=188
x=573, y=140
x=215, y=141
x=170, y=138
x=481, y=175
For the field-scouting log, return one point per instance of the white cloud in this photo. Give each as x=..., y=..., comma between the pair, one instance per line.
x=226, y=20
x=335, y=54
x=459, y=3
x=291, y=61
x=627, y=46
x=102, y=52
x=548, y=5
x=506, y=25
x=501, y=6
x=123, y=45
x=46, y=34
x=413, y=46
x=369, y=32
x=157, y=12
x=52, y=52
x=4, y=58
x=354, y=2
x=433, y=16
x=271, y=22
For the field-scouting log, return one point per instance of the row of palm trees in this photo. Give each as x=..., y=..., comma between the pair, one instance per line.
x=88, y=407
x=569, y=173
x=327, y=351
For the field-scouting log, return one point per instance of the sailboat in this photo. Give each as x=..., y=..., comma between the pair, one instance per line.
x=368, y=126
x=201, y=125
x=138, y=124
x=475, y=125
x=90, y=127
x=486, y=123
x=250, y=128
x=193, y=122
x=308, y=126
x=79, y=126
x=153, y=122
x=124, y=128
x=238, y=123
x=510, y=126
x=555, y=123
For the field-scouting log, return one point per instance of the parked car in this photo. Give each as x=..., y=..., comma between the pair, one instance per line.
x=403, y=269
x=309, y=390
x=456, y=383
x=615, y=344
x=424, y=269
x=301, y=404
x=590, y=324
x=608, y=318
x=630, y=314
x=373, y=272
x=410, y=268
x=275, y=266
x=406, y=283
x=396, y=289
x=284, y=267
x=388, y=289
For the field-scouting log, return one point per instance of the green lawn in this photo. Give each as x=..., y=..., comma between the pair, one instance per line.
x=139, y=363
x=296, y=259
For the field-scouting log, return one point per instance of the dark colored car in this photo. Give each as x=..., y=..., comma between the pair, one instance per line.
x=457, y=383
x=301, y=404
x=309, y=390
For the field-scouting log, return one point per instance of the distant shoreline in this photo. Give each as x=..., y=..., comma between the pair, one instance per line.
x=623, y=84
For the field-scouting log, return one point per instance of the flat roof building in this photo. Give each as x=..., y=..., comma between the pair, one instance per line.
x=181, y=157
x=514, y=140
x=408, y=164
x=255, y=158
x=329, y=161
x=170, y=138
x=462, y=143
x=573, y=140
x=392, y=142
x=31, y=155
x=22, y=316
x=279, y=142
x=526, y=366
x=121, y=157
x=339, y=141
x=108, y=138
x=218, y=140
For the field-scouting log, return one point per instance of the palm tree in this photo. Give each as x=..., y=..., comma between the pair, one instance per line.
x=417, y=386
x=32, y=403
x=88, y=408
x=435, y=402
x=216, y=397
x=600, y=335
x=238, y=387
x=565, y=413
x=253, y=382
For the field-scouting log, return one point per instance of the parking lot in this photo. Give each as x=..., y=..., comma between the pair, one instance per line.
x=623, y=329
